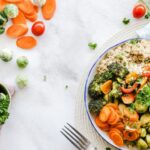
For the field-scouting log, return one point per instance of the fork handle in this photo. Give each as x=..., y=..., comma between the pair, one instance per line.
x=91, y=147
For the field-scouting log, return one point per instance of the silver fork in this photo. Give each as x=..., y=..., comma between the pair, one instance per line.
x=76, y=138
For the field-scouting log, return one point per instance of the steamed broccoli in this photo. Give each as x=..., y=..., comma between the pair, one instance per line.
x=96, y=105
x=118, y=70
x=116, y=92
x=94, y=90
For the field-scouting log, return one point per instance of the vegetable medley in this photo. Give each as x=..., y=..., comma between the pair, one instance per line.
x=120, y=104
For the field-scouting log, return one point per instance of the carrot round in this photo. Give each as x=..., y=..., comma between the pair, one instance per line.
x=26, y=42
x=106, y=87
x=26, y=7
x=112, y=116
x=130, y=135
x=2, y=4
x=20, y=19
x=104, y=114
x=120, y=126
x=17, y=30
x=48, y=9
x=31, y=17
x=114, y=106
x=116, y=120
x=14, y=1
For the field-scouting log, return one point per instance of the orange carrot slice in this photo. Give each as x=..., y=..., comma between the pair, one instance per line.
x=17, y=30
x=26, y=42
x=48, y=9
x=116, y=120
x=32, y=17
x=130, y=135
x=106, y=87
x=117, y=139
x=14, y=1
x=36, y=8
x=26, y=7
x=120, y=126
x=104, y=114
x=2, y=4
x=114, y=106
x=112, y=116
x=20, y=19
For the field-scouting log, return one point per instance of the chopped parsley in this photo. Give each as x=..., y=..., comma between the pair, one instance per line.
x=134, y=41
x=92, y=45
x=147, y=16
x=126, y=21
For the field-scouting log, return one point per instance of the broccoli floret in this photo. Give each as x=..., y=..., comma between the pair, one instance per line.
x=101, y=78
x=94, y=90
x=95, y=106
x=116, y=92
x=118, y=70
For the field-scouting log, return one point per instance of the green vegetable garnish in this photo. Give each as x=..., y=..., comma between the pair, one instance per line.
x=2, y=30
x=134, y=41
x=92, y=45
x=22, y=62
x=6, y=55
x=21, y=81
x=126, y=21
x=147, y=15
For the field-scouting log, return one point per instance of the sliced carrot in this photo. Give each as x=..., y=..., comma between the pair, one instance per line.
x=106, y=87
x=17, y=30
x=32, y=17
x=26, y=7
x=115, y=130
x=130, y=135
x=116, y=120
x=112, y=116
x=48, y=9
x=26, y=42
x=104, y=114
x=114, y=106
x=36, y=8
x=131, y=77
x=2, y=4
x=14, y=1
x=128, y=98
x=20, y=19
x=117, y=139
x=120, y=126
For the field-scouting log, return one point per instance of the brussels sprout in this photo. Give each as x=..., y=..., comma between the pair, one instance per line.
x=22, y=62
x=11, y=10
x=145, y=118
x=141, y=144
x=148, y=139
x=143, y=132
x=3, y=97
x=140, y=108
x=21, y=81
x=6, y=55
x=3, y=20
x=2, y=30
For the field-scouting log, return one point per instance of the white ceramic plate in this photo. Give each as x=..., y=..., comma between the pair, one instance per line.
x=89, y=78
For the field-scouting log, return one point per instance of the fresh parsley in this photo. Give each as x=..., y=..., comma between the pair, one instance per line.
x=126, y=21
x=134, y=41
x=92, y=45
x=147, y=16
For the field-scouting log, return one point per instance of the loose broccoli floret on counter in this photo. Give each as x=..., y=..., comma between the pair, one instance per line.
x=101, y=78
x=115, y=92
x=96, y=105
x=94, y=90
x=118, y=70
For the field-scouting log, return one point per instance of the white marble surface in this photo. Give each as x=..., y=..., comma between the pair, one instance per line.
x=38, y=112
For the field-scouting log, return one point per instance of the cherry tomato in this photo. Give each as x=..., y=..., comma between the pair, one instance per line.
x=139, y=11
x=38, y=28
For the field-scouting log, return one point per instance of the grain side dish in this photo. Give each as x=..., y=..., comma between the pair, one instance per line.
x=120, y=94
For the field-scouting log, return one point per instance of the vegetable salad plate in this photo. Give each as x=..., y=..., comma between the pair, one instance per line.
x=116, y=93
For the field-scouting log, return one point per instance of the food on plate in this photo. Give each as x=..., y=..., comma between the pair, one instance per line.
x=22, y=11
x=26, y=42
x=6, y=55
x=38, y=28
x=22, y=62
x=11, y=10
x=120, y=94
x=139, y=11
x=22, y=81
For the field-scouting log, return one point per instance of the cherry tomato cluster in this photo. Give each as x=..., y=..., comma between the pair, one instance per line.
x=139, y=11
x=38, y=28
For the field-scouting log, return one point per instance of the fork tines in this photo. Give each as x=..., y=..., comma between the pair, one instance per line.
x=75, y=137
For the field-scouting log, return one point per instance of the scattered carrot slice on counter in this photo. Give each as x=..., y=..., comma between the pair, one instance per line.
x=48, y=9
x=131, y=77
x=20, y=19
x=26, y=7
x=106, y=87
x=128, y=98
x=104, y=114
x=17, y=30
x=14, y=1
x=32, y=17
x=26, y=42
x=2, y=4
x=36, y=8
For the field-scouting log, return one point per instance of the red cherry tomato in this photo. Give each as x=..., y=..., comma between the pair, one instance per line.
x=139, y=11
x=38, y=28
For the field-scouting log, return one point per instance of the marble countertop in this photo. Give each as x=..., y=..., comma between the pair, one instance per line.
x=38, y=112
